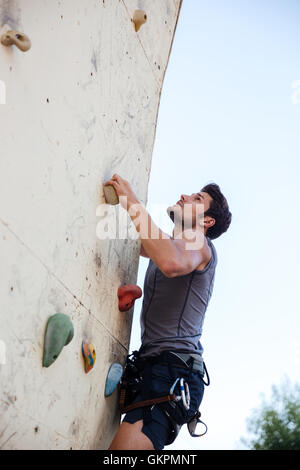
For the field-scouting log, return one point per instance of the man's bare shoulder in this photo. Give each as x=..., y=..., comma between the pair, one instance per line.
x=207, y=252
x=198, y=242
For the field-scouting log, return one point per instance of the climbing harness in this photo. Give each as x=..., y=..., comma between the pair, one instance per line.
x=191, y=425
x=137, y=379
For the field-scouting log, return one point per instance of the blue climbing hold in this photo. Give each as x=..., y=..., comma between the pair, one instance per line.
x=114, y=375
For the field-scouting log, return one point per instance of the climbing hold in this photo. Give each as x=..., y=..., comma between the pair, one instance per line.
x=18, y=39
x=113, y=377
x=89, y=354
x=59, y=332
x=139, y=18
x=127, y=295
x=110, y=194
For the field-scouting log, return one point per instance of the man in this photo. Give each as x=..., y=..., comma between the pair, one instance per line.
x=178, y=286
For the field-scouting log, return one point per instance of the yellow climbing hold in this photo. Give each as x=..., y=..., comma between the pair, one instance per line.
x=89, y=354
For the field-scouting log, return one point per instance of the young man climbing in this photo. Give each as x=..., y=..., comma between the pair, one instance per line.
x=178, y=286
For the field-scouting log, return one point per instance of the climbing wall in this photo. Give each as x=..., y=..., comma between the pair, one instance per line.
x=78, y=106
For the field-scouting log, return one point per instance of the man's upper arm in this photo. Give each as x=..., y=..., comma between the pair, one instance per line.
x=143, y=252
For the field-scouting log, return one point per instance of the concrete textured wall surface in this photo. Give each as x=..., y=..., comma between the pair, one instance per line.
x=78, y=106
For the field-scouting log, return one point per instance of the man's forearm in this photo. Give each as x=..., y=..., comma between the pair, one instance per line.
x=158, y=244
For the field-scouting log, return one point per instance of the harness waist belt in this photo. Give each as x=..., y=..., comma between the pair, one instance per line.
x=197, y=365
x=181, y=360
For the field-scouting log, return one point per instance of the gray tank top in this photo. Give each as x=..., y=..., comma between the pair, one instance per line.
x=173, y=309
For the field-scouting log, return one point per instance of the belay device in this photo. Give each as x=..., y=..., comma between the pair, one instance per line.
x=136, y=380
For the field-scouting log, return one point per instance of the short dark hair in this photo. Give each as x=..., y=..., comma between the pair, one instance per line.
x=218, y=209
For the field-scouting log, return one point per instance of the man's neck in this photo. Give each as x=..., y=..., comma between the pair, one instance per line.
x=178, y=231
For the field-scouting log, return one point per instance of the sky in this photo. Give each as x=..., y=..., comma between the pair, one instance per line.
x=230, y=114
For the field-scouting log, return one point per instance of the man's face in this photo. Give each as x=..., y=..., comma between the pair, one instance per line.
x=190, y=208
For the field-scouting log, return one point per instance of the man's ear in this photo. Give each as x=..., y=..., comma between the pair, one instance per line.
x=209, y=221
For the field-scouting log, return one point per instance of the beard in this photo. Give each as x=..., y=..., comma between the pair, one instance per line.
x=181, y=217
x=170, y=212
x=175, y=214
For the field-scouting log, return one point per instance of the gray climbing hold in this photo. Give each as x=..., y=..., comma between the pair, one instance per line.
x=114, y=375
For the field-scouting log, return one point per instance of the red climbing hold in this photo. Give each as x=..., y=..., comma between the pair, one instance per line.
x=127, y=295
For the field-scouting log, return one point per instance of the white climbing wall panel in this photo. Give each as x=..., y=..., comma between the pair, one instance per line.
x=78, y=106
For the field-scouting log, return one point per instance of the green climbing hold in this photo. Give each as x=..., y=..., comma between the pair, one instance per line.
x=59, y=332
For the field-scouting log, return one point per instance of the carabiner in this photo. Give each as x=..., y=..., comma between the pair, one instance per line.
x=185, y=393
x=177, y=397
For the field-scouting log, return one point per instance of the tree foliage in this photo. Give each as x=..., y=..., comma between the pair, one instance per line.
x=276, y=425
